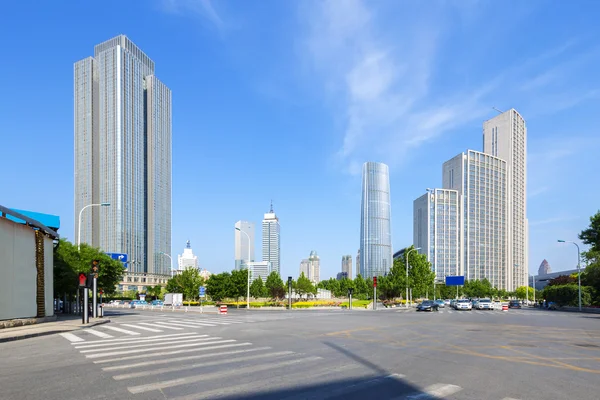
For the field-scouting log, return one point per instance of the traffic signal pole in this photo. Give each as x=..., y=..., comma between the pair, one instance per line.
x=95, y=299
x=86, y=315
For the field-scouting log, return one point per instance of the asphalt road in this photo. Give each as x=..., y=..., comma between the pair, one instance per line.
x=306, y=354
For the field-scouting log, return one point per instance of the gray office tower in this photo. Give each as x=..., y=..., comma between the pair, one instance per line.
x=375, y=228
x=123, y=155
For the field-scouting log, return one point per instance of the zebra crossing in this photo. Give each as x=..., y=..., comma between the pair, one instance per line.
x=194, y=365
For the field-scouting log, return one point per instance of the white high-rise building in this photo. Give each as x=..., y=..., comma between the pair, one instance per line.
x=347, y=266
x=122, y=132
x=187, y=259
x=505, y=136
x=311, y=267
x=304, y=268
x=436, y=230
x=259, y=269
x=271, y=240
x=242, y=243
x=480, y=180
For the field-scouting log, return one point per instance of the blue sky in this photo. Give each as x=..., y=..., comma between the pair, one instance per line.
x=285, y=101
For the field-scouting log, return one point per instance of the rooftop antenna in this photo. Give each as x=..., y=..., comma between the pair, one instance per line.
x=494, y=108
x=271, y=206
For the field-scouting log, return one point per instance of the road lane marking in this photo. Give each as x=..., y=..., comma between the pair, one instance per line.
x=185, y=358
x=193, y=323
x=98, y=333
x=183, y=324
x=71, y=338
x=191, y=335
x=435, y=391
x=167, y=353
x=151, y=345
x=117, y=353
x=199, y=378
x=142, y=328
x=125, y=331
x=162, y=325
x=158, y=371
x=127, y=339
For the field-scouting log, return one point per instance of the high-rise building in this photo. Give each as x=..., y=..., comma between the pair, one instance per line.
x=375, y=229
x=123, y=155
x=505, y=136
x=259, y=269
x=304, y=268
x=347, y=265
x=480, y=180
x=187, y=259
x=242, y=243
x=436, y=230
x=271, y=240
x=311, y=267
x=544, y=268
x=358, y=262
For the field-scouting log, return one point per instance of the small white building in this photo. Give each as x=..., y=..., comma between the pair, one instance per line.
x=187, y=259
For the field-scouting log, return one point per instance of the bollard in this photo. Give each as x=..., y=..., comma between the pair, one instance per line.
x=223, y=310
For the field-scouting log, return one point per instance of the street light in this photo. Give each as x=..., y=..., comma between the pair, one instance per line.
x=407, y=253
x=79, y=226
x=247, y=268
x=578, y=267
x=170, y=258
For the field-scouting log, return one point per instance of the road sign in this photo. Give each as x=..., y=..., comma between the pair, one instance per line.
x=202, y=291
x=118, y=256
x=455, y=280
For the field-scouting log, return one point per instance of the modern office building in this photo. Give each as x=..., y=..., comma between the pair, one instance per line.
x=259, y=269
x=347, y=266
x=122, y=139
x=242, y=242
x=311, y=267
x=375, y=227
x=271, y=242
x=358, y=262
x=304, y=268
x=481, y=183
x=505, y=136
x=436, y=230
x=187, y=259
x=544, y=268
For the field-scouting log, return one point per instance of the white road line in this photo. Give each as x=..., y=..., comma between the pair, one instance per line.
x=185, y=358
x=509, y=398
x=162, y=325
x=177, y=346
x=168, y=353
x=141, y=327
x=158, y=371
x=194, y=323
x=435, y=391
x=125, y=331
x=128, y=339
x=190, y=335
x=98, y=333
x=71, y=338
x=151, y=345
x=215, y=375
x=183, y=324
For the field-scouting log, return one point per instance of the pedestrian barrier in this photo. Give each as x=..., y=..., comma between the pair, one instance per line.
x=223, y=310
x=504, y=307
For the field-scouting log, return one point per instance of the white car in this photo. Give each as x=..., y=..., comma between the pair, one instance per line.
x=485, y=304
x=497, y=305
x=463, y=304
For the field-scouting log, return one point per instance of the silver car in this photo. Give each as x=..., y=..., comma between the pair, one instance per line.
x=485, y=304
x=463, y=304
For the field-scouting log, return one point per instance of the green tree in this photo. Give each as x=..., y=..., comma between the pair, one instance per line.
x=275, y=287
x=239, y=283
x=257, y=288
x=190, y=281
x=219, y=286
x=175, y=285
x=304, y=285
x=591, y=235
x=568, y=295
x=361, y=289
x=522, y=294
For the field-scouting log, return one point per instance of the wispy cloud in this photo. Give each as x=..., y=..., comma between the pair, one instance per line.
x=203, y=8
x=552, y=220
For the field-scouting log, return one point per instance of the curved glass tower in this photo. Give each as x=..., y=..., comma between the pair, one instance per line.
x=375, y=228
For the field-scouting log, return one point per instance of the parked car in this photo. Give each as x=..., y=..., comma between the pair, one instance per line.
x=463, y=304
x=453, y=303
x=156, y=303
x=484, y=304
x=497, y=305
x=514, y=304
x=428, y=305
x=440, y=303
x=447, y=302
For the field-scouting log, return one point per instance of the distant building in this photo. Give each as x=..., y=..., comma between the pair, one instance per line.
x=205, y=274
x=400, y=253
x=242, y=242
x=347, y=266
x=271, y=243
x=311, y=267
x=304, y=267
x=544, y=268
x=542, y=280
x=187, y=259
x=358, y=263
x=341, y=275
x=259, y=269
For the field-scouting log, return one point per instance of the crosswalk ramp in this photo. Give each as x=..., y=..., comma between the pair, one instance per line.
x=195, y=365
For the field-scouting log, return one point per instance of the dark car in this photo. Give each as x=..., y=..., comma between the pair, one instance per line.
x=514, y=304
x=428, y=305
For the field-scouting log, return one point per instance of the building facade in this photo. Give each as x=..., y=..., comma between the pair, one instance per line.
x=505, y=136
x=347, y=266
x=259, y=269
x=480, y=180
x=358, y=262
x=436, y=230
x=122, y=142
x=242, y=244
x=544, y=268
x=187, y=259
x=375, y=223
x=311, y=267
x=271, y=240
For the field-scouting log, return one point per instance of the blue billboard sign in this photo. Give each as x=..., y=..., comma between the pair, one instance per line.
x=455, y=280
x=118, y=256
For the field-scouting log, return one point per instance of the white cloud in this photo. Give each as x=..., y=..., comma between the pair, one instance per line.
x=203, y=8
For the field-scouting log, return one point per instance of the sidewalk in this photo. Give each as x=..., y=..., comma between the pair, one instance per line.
x=63, y=323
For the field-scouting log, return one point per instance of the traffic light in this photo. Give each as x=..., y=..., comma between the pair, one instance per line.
x=95, y=267
x=82, y=279
x=374, y=281
x=90, y=281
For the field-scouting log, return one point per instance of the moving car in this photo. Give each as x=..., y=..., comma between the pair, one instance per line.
x=428, y=305
x=484, y=304
x=514, y=304
x=463, y=304
x=440, y=303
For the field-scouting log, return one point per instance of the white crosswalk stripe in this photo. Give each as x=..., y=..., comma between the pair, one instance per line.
x=70, y=337
x=98, y=333
x=436, y=391
x=163, y=325
x=144, y=328
x=125, y=331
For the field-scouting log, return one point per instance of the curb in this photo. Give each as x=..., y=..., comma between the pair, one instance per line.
x=45, y=333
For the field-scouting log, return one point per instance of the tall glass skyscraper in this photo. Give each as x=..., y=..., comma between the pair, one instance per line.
x=241, y=243
x=375, y=227
x=123, y=155
x=271, y=240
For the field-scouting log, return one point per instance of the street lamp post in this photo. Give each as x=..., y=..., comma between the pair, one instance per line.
x=79, y=225
x=578, y=267
x=407, y=253
x=170, y=259
x=247, y=268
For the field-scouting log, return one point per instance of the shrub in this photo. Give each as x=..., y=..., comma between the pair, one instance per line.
x=568, y=295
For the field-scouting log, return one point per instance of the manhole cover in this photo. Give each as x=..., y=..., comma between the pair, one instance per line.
x=587, y=345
